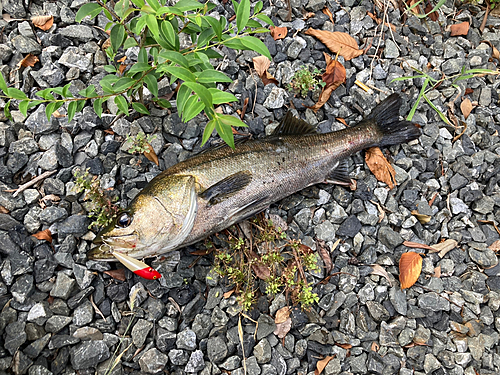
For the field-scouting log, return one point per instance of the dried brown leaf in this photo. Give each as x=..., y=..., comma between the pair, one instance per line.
x=379, y=270
x=201, y=252
x=58, y=114
x=325, y=255
x=122, y=68
x=340, y=119
x=379, y=21
x=282, y=315
x=228, y=293
x=283, y=328
x=151, y=155
x=444, y=247
x=106, y=44
x=460, y=29
x=410, y=266
x=414, y=4
x=437, y=272
x=44, y=235
x=417, y=245
x=43, y=22
x=338, y=42
x=261, y=270
x=278, y=32
x=320, y=365
x=308, y=15
x=495, y=246
x=466, y=107
x=29, y=60
x=375, y=346
x=327, y=11
x=434, y=16
x=380, y=167
x=334, y=76
x=344, y=346
x=118, y=274
x=261, y=64
x=3, y=210
x=424, y=219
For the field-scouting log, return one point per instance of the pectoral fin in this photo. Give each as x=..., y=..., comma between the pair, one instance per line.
x=227, y=187
x=340, y=175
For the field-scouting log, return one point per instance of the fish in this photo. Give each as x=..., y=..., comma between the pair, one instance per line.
x=217, y=188
x=136, y=266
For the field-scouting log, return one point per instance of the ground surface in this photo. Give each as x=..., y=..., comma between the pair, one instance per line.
x=61, y=314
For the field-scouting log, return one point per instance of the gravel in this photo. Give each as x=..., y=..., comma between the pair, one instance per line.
x=63, y=314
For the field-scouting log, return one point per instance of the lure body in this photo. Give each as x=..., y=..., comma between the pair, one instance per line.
x=136, y=266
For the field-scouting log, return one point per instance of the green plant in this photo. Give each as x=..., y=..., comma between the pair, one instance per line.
x=430, y=83
x=269, y=256
x=139, y=144
x=101, y=205
x=414, y=7
x=304, y=81
x=158, y=31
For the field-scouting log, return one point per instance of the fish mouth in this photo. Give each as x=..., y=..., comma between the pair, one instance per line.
x=102, y=252
x=108, y=245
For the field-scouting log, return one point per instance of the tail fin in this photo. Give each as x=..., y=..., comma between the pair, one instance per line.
x=386, y=118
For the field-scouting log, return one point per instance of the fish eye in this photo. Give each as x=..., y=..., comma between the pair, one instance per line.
x=124, y=220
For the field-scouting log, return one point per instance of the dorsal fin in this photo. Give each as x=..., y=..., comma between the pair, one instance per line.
x=291, y=125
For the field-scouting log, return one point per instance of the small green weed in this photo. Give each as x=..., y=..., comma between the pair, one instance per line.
x=139, y=144
x=304, y=81
x=270, y=257
x=101, y=205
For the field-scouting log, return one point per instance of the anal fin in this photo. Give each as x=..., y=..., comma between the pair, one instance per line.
x=340, y=175
x=227, y=187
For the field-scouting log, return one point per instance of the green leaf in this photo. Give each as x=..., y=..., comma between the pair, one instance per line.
x=232, y=121
x=258, y=7
x=72, y=110
x=154, y=4
x=182, y=95
x=51, y=108
x=143, y=55
x=139, y=67
x=122, y=104
x=265, y=18
x=164, y=103
x=216, y=26
x=123, y=83
x=234, y=43
x=139, y=25
x=225, y=131
x=121, y=8
x=169, y=35
x=256, y=45
x=80, y=105
x=192, y=108
x=441, y=114
x=23, y=107
x=129, y=43
x=3, y=85
x=420, y=95
x=141, y=108
x=117, y=36
x=211, y=75
x=15, y=93
x=89, y=9
x=65, y=91
x=152, y=83
x=202, y=92
x=253, y=23
x=45, y=94
x=6, y=110
x=186, y=5
x=219, y=96
x=138, y=3
x=181, y=73
x=152, y=25
x=242, y=14
x=98, y=106
x=175, y=57
x=205, y=37
x=235, y=5
x=110, y=68
x=209, y=128
x=210, y=53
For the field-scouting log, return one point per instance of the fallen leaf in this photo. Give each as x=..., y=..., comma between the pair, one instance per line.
x=106, y=44
x=51, y=197
x=437, y=272
x=375, y=347
x=495, y=246
x=460, y=29
x=228, y=293
x=340, y=119
x=283, y=328
x=261, y=64
x=333, y=77
x=417, y=245
x=468, y=91
x=338, y=42
x=320, y=365
x=43, y=22
x=201, y=252
x=424, y=219
x=327, y=11
x=151, y=155
x=379, y=270
x=57, y=114
x=278, y=32
x=444, y=247
x=410, y=266
x=325, y=255
x=466, y=107
x=379, y=21
x=118, y=274
x=308, y=15
x=44, y=235
x=3, y=210
x=380, y=167
x=434, y=16
x=282, y=315
x=29, y=60
x=344, y=346
x=261, y=270
x=122, y=68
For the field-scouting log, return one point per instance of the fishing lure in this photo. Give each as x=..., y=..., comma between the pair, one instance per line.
x=136, y=266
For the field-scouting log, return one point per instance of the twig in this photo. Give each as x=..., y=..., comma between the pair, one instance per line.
x=96, y=308
x=485, y=19
x=32, y=182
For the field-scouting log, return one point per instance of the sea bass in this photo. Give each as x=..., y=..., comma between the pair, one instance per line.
x=222, y=186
